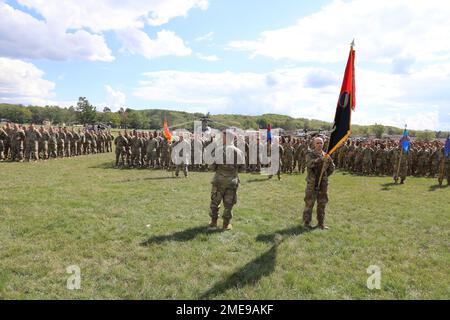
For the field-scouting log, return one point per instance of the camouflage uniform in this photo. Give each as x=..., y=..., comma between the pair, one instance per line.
x=17, y=144
x=444, y=167
x=53, y=144
x=43, y=144
x=120, y=143
x=3, y=136
x=314, y=167
x=136, y=146
x=225, y=184
x=152, y=154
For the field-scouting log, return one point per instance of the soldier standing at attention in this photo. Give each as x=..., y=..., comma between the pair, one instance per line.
x=120, y=143
x=3, y=136
x=315, y=158
x=225, y=182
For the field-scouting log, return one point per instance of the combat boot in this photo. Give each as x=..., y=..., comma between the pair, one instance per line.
x=213, y=223
x=227, y=226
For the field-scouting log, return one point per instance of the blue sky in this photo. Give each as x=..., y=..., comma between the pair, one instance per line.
x=230, y=56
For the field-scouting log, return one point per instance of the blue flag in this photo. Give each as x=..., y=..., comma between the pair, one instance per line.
x=269, y=132
x=447, y=146
x=405, y=141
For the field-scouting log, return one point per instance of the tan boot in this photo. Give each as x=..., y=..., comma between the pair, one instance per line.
x=227, y=226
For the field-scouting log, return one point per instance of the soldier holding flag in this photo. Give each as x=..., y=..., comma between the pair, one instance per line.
x=319, y=164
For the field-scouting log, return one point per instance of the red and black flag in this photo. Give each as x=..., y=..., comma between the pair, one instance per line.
x=345, y=105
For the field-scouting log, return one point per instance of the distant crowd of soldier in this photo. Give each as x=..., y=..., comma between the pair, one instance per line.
x=27, y=143
x=362, y=157
x=376, y=157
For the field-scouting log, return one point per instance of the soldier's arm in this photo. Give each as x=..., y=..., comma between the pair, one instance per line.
x=311, y=162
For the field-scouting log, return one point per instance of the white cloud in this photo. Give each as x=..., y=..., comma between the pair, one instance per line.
x=205, y=37
x=211, y=58
x=305, y=92
x=384, y=30
x=73, y=29
x=115, y=99
x=166, y=43
x=22, y=82
x=22, y=36
x=104, y=15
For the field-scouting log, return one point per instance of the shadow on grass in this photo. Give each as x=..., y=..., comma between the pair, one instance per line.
x=185, y=235
x=261, y=266
x=105, y=165
x=435, y=187
x=257, y=180
x=387, y=186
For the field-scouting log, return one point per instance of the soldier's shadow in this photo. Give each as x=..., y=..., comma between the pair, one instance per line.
x=387, y=186
x=261, y=266
x=436, y=187
x=257, y=180
x=185, y=235
x=105, y=165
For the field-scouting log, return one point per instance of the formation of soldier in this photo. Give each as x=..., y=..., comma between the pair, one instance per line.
x=28, y=143
x=363, y=157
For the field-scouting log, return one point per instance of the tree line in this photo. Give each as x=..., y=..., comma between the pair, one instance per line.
x=85, y=113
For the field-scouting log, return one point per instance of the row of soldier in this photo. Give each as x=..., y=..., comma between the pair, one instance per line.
x=20, y=142
x=364, y=157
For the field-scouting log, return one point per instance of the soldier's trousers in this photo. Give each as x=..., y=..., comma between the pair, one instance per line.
x=120, y=154
x=444, y=173
x=67, y=149
x=402, y=172
x=182, y=166
x=229, y=198
x=44, y=150
x=310, y=198
x=60, y=149
x=52, y=150
x=367, y=167
x=74, y=148
x=31, y=152
x=136, y=157
x=17, y=152
x=2, y=147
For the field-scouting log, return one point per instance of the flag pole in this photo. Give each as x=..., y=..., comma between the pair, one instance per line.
x=322, y=170
x=399, y=160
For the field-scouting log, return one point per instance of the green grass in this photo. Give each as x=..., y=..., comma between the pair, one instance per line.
x=139, y=234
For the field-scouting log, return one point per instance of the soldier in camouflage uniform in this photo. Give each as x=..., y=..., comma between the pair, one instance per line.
x=3, y=137
x=315, y=159
x=53, y=143
x=8, y=141
x=136, y=146
x=367, y=155
x=120, y=142
x=61, y=139
x=32, y=136
x=401, y=165
x=67, y=142
x=444, y=167
x=43, y=143
x=152, y=146
x=17, y=143
x=165, y=154
x=225, y=182
x=184, y=157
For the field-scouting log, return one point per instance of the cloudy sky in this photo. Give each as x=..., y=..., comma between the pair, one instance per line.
x=231, y=56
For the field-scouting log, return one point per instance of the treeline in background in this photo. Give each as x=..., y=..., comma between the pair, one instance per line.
x=85, y=113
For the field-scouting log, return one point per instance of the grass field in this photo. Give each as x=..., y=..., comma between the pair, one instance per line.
x=140, y=234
